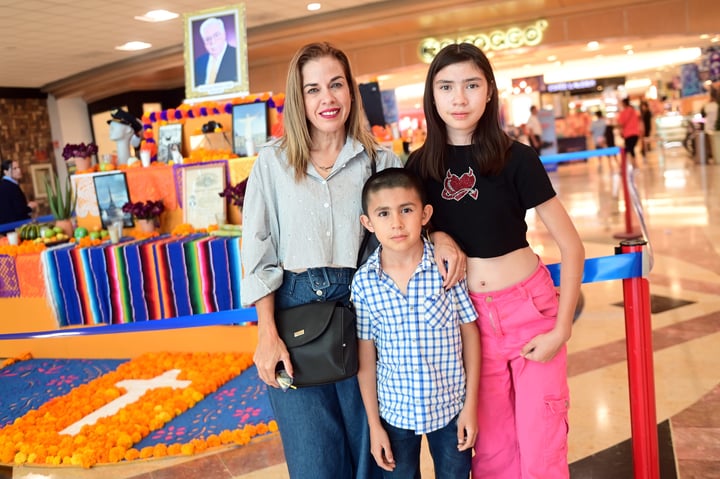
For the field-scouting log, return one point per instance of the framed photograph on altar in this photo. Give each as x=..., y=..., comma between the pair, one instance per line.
x=216, y=52
x=202, y=184
x=170, y=143
x=40, y=174
x=111, y=191
x=250, y=127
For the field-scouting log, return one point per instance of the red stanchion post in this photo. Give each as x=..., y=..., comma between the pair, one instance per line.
x=629, y=232
x=636, y=293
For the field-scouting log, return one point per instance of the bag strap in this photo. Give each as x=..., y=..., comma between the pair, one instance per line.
x=366, y=238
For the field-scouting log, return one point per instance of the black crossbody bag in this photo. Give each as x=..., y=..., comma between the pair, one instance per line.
x=321, y=337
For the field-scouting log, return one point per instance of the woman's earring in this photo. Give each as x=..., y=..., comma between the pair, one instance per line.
x=488, y=99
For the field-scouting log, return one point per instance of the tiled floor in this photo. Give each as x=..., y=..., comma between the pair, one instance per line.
x=681, y=203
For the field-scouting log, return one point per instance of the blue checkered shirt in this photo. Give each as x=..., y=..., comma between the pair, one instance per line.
x=420, y=373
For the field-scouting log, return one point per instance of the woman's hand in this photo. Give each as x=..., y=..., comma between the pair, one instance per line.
x=451, y=260
x=543, y=347
x=270, y=351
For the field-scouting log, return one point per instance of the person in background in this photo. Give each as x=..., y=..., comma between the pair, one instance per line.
x=14, y=205
x=480, y=184
x=219, y=64
x=629, y=122
x=534, y=130
x=646, y=116
x=710, y=114
x=419, y=349
x=301, y=237
x=598, y=130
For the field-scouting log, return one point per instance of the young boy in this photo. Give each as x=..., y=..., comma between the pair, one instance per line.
x=419, y=348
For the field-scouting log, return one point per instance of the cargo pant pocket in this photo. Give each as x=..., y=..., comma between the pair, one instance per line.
x=556, y=429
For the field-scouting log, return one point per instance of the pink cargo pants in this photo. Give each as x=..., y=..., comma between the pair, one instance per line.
x=523, y=405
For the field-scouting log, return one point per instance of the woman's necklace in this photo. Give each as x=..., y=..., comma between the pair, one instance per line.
x=324, y=168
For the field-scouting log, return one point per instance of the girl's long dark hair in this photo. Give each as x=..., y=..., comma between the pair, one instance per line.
x=490, y=144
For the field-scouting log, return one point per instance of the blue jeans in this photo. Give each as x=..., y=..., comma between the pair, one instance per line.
x=324, y=428
x=448, y=461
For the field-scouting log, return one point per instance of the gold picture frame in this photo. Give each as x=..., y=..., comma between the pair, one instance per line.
x=225, y=31
x=202, y=184
x=39, y=174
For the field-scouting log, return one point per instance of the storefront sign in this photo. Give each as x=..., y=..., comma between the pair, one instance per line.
x=588, y=85
x=513, y=37
x=571, y=85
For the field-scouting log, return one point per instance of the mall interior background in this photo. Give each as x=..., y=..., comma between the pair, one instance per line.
x=57, y=81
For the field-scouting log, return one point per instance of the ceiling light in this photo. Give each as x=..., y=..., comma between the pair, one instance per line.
x=313, y=6
x=630, y=52
x=551, y=58
x=155, y=16
x=627, y=47
x=593, y=45
x=133, y=46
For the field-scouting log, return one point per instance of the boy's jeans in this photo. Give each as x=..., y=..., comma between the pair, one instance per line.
x=448, y=461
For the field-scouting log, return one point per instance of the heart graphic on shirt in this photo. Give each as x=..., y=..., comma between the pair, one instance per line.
x=456, y=187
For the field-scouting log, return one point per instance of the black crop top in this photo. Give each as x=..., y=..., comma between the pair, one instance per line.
x=486, y=214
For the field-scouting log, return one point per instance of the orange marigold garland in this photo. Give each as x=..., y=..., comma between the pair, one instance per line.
x=8, y=361
x=35, y=437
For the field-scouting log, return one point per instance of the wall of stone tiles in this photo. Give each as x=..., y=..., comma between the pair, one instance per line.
x=25, y=135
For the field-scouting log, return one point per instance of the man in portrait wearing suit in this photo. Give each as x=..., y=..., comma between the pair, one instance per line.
x=219, y=64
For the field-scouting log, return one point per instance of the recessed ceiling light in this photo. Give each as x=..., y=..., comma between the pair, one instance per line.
x=133, y=46
x=551, y=58
x=627, y=47
x=313, y=6
x=155, y=16
x=630, y=52
x=593, y=45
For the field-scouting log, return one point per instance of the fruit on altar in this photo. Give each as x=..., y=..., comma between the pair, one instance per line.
x=80, y=232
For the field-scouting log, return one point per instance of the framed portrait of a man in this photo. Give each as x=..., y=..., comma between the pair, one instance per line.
x=216, y=52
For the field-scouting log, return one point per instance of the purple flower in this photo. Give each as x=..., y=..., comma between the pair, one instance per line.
x=235, y=192
x=144, y=211
x=80, y=151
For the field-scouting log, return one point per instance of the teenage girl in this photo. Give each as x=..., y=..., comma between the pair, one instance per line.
x=480, y=184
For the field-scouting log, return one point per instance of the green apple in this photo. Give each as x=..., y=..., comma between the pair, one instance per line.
x=57, y=230
x=104, y=234
x=80, y=232
x=49, y=233
x=94, y=235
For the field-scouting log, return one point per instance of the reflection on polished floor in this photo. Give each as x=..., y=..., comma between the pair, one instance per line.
x=681, y=202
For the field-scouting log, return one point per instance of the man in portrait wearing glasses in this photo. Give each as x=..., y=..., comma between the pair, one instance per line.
x=219, y=64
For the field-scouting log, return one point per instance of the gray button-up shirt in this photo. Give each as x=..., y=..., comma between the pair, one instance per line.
x=312, y=223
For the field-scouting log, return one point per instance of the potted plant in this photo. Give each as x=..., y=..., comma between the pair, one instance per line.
x=81, y=153
x=145, y=212
x=62, y=200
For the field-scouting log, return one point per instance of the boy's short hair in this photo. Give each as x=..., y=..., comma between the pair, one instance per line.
x=392, y=178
